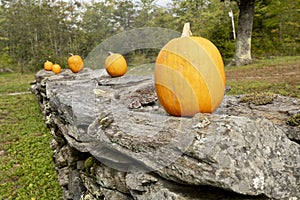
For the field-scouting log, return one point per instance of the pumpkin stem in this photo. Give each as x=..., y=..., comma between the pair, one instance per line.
x=110, y=53
x=71, y=54
x=186, y=32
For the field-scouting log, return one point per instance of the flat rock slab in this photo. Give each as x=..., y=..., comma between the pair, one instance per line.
x=244, y=148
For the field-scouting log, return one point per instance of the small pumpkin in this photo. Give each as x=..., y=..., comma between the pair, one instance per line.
x=48, y=65
x=115, y=65
x=75, y=63
x=189, y=75
x=56, y=68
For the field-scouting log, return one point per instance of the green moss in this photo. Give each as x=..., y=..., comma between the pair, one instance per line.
x=258, y=98
x=294, y=120
x=89, y=162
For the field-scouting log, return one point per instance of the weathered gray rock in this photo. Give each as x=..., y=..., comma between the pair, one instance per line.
x=75, y=184
x=63, y=176
x=279, y=111
x=242, y=151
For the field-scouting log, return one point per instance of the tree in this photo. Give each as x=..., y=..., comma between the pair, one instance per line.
x=145, y=13
x=209, y=19
x=191, y=11
x=39, y=30
x=276, y=28
x=97, y=22
x=124, y=13
x=242, y=55
x=33, y=31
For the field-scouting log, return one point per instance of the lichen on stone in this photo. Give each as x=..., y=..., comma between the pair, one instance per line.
x=294, y=120
x=105, y=120
x=258, y=98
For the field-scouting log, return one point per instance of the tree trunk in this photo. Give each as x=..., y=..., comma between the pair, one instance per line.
x=244, y=31
x=21, y=61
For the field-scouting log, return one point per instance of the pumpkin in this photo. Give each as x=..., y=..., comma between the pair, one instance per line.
x=48, y=65
x=189, y=75
x=56, y=68
x=75, y=63
x=115, y=65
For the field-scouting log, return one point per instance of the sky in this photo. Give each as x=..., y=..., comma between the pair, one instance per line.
x=163, y=2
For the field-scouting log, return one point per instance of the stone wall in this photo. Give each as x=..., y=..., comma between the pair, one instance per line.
x=112, y=140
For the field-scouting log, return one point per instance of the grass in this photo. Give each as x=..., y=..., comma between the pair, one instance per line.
x=278, y=75
x=12, y=82
x=26, y=166
x=265, y=62
x=250, y=86
x=26, y=169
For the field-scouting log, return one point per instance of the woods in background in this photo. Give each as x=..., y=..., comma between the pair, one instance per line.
x=33, y=31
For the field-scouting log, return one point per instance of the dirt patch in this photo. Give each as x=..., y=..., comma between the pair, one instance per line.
x=272, y=74
x=14, y=94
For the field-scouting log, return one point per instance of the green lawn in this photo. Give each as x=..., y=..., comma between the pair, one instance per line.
x=26, y=169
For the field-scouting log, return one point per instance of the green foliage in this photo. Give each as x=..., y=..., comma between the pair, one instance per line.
x=26, y=169
x=276, y=28
x=209, y=20
x=37, y=31
x=164, y=18
x=145, y=13
x=123, y=13
x=5, y=60
x=96, y=23
x=34, y=31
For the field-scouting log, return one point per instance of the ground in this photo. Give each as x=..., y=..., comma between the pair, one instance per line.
x=279, y=77
x=272, y=74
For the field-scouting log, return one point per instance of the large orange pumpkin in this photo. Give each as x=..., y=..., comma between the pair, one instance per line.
x=48, y=65
x=115, y=65
x=189, y=76
x=75, y=63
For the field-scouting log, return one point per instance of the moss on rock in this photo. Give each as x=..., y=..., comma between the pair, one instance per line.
x=294, y=120
x=258, y=98
x=89, y=162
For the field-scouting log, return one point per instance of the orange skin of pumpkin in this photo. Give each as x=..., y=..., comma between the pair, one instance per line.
x=75, y=63
x=189, y=76
x=56, y=68
x=48, y=65
x=115, y=65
